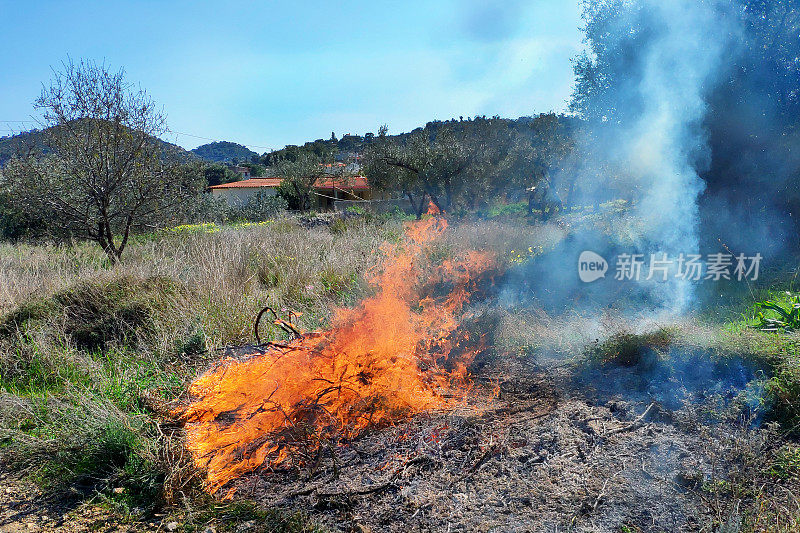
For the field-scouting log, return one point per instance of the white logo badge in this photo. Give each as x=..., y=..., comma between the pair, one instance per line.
x=591, y=267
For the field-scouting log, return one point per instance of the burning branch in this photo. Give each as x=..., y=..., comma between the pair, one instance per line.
x=286, y=325
x=397, y=354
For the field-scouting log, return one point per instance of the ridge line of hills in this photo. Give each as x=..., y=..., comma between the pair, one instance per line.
x=227, y=152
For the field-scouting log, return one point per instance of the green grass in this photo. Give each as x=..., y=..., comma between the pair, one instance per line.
x=91, y=354
x=631, y=349
x=739, y=327
x=508, y=210
x=37, y=370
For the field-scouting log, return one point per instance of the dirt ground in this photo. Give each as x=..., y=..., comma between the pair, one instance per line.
x=604, y=451
x=23, y=508
x=551, y=454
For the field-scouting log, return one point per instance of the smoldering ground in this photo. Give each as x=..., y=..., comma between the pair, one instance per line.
x=616, y=409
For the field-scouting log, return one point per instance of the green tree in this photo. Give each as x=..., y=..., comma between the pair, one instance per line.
x=299, y=177
x=16, y=224
x=217, y=174
x=445, y=163
x=752, y=111
x=256, y=169
x=540, y=160
x=321, y=149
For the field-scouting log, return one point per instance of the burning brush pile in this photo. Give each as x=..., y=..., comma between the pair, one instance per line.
x=401, y=352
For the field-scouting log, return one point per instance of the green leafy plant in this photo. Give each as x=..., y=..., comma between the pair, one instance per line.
x=356, y=210
x=786, y=464
x=788, y=315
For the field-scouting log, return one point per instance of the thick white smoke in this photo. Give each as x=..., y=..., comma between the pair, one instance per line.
x=652, y=145
x=666, y=143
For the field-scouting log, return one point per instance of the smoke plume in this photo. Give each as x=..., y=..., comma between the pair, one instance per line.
x=648, y=145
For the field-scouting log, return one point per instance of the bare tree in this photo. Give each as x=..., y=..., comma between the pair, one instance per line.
x=103, y=172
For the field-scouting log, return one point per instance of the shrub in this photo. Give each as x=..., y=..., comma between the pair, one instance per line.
x=206, y=208
x=261, y=207
x=97, y=314
x=631, y=349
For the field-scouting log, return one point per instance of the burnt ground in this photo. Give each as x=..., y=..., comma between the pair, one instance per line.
x=561, y=448
x=552, y=453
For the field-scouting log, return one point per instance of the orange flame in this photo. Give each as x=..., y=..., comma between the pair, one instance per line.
x=388, y=358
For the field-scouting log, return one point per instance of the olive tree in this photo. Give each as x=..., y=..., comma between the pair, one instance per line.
x=299, y=176
x=102, y=172
x=443, y=163
x=424, y=165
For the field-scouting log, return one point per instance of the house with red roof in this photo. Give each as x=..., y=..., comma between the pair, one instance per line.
x=327, y=190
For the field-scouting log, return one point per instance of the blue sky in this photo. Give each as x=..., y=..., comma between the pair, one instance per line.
x=271, y=73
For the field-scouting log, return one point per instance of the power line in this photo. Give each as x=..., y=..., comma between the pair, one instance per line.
x=9, y=125
x=217, y=140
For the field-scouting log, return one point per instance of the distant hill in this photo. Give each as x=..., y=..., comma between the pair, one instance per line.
x=15, y=144
x=225, y=152
x=20, y=143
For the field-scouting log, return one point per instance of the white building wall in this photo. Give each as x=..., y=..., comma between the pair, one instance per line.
x=239, y=196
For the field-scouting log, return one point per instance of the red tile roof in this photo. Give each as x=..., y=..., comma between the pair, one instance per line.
x=352, y=184
x=252, y=183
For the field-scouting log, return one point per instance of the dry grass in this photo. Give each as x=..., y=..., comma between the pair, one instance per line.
x=97, y=407
x=228, y=275
x=503, y=237
x=92, y=354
